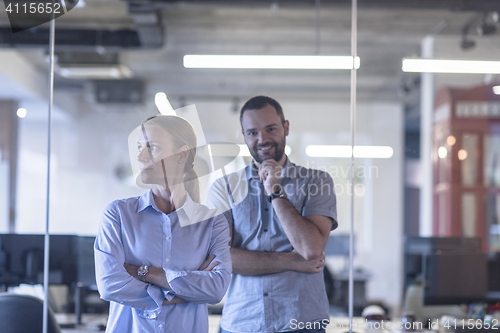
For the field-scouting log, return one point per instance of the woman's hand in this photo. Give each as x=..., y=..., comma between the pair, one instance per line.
x=206, y=265
x=132, y=270
x=155, y=275
x=175, y=300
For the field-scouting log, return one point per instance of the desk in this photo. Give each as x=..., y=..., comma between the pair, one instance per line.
x=337, y=325
x=341, y=292
x=92, y=321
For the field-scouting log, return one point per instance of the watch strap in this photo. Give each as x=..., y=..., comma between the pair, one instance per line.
x=280, y=193
x=142, y=271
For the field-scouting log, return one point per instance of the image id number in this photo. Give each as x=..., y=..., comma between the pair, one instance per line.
x=34, y=8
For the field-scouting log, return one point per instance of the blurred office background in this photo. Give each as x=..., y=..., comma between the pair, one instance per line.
x=113, y=57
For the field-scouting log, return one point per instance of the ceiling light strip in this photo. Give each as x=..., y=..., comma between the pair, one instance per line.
x=451, y=66
x=269, y=62
x=344, y=151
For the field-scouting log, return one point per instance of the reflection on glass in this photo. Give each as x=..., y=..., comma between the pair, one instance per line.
x=491, y=160
x=468, y=215
x=468, y=157
x=442, y=152
x=443, y=163
x=443, y=214
x=462, y=154
x=493, y=221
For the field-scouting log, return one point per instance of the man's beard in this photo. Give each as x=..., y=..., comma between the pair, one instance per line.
x=279, y=150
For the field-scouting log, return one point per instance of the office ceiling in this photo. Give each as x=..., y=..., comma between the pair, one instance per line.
x=151, y=37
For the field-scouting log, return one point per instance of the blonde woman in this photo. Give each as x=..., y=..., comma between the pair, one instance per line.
x=161, y=257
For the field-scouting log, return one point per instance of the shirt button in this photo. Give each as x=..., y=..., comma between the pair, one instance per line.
x=167, y=260
x=160, y=326
x=265, y=230
x=168, y=238
x=266, y=294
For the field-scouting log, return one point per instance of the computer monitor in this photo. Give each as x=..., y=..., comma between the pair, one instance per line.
x=23, y=259
x=337, y=245
x=417, y=248
x=459, y=278
x=85, y=261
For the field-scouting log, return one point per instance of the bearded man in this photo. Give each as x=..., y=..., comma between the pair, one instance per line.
x=280, y=216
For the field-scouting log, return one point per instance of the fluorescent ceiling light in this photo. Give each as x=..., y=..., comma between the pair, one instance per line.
x=80, y=71
x=496, y=90
x=451, y=66
x=163, y=104
x=270, y=62
x=221, y=149
x=345, y=151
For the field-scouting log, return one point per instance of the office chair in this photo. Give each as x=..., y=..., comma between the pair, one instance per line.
x=23, y=313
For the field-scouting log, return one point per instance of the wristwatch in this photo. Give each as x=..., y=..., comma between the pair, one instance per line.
x=142, y=271
x=279, y=193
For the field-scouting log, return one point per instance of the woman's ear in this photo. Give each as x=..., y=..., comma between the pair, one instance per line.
x=184, y=153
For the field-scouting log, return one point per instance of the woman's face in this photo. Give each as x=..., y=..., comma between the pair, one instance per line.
x=158, y=157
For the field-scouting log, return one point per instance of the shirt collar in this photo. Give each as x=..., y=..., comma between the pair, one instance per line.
x=252, y=170
x=147, y=200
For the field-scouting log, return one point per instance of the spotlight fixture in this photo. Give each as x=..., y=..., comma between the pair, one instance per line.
x=495, y=17
x=485, y=29
x=467, y=44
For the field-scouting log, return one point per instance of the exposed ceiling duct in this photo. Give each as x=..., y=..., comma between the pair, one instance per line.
x=71, y=39
x=147, y=21
x=129, y=91
x=455, y=5
x=145, y=32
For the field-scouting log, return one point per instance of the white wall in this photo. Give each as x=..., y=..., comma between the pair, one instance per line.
x=4, y=199
x=85, y=153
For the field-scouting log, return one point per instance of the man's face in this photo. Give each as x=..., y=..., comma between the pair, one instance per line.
x=264, y=133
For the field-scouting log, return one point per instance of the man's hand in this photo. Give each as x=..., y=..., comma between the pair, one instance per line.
x=270, y=174
x=299, y=264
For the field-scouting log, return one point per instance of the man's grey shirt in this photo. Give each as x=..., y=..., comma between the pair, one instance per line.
x=267, y=303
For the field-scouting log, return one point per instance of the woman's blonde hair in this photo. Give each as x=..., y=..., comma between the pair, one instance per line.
x=183, y=135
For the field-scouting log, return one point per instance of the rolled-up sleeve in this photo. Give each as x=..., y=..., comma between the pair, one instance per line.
x=321, y=199
x=113, y=281
x=206, y=286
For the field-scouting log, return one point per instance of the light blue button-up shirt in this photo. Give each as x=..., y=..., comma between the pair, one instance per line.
x=134, y=231
x=274, y=302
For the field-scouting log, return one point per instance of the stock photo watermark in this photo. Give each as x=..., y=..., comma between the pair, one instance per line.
x=27, y=14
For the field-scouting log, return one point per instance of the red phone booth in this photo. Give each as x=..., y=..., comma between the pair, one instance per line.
x=466, y=164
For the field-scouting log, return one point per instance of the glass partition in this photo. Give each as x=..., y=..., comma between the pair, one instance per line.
x=425, y=177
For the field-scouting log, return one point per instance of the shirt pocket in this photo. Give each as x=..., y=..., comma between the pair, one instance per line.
x=245, y=216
